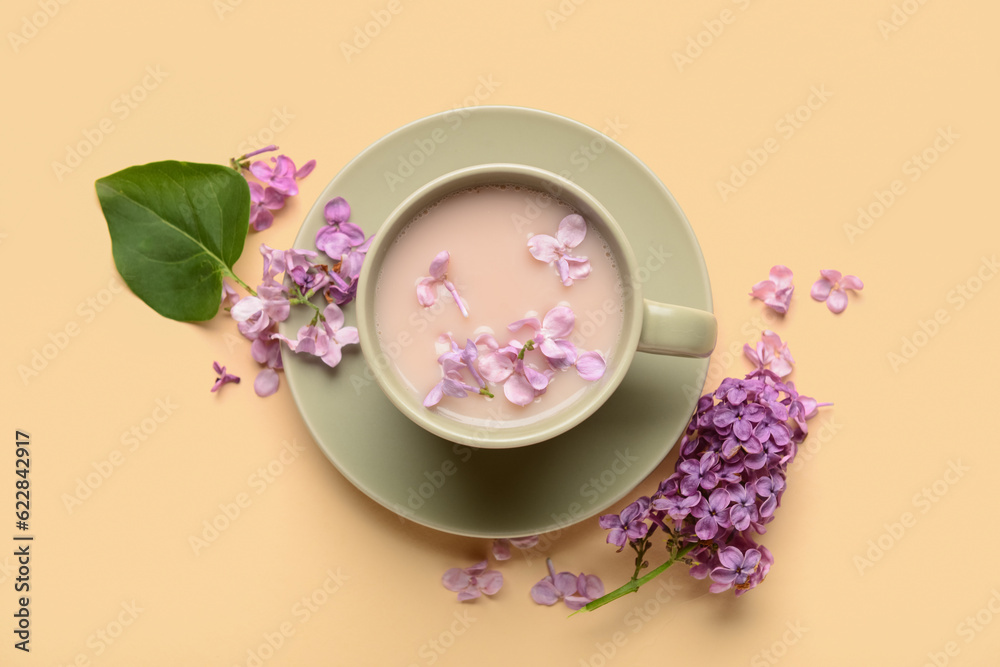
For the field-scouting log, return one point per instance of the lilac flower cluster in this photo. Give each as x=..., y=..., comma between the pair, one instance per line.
x=275, y=183
x=727, y=483
x=258, y=314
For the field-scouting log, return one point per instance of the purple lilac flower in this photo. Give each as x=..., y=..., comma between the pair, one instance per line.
x=224, y=377
x=281, y=175
x=712, y=514
x=735, y=567
x=699, y=473
x=262, y=202
x=473, y=581
x=576, y=590
x=277, y=183
x=728, y=480
x=629, y=525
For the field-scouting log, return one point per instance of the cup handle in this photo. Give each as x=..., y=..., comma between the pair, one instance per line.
x=677, y=330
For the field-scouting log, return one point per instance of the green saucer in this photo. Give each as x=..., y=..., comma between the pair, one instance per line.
x=542, y=487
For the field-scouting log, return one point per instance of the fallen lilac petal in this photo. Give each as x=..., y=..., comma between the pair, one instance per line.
x=545, y=592
x=266, y=382
x=305, y=170
x=439, y=265
x=473, y=581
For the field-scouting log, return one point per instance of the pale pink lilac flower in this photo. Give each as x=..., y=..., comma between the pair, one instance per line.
x=522, y=383
x=776, y=293
x=832, y=286
x=324, y=339
x=551, y=335
x=770, y=352
x=223, y=377
x=255, y=314
x=473, y=581
x=428, y=285
x=576, y=590
x=501, y=546
x=570, y=233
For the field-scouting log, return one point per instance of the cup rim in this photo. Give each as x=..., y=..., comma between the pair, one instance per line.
x=490, y=174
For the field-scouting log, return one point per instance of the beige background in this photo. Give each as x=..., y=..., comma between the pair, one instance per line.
x=893, y=75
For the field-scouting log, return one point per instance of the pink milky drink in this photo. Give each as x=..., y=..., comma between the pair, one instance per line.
x=485, y=230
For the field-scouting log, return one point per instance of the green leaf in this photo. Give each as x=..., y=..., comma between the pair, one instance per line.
x=176, y=229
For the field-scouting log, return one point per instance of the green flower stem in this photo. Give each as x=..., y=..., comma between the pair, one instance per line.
x=241, y=283
x=633, y=585
x=305, y=300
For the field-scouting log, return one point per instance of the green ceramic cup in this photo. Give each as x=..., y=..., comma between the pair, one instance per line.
x=647, y=326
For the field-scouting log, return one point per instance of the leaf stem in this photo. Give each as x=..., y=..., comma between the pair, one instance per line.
x=241, y=283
